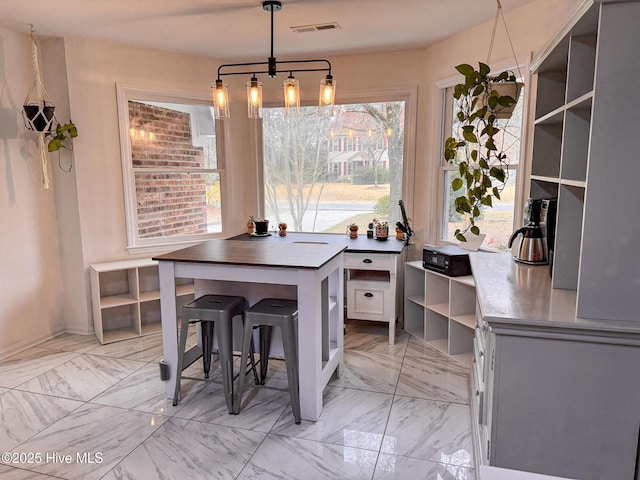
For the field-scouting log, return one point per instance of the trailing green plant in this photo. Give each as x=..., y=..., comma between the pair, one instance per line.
x=482, y=165
x=62, y=137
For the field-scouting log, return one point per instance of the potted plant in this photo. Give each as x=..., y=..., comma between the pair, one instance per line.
x=474, y=149
x=38, y=117
x=62, y=136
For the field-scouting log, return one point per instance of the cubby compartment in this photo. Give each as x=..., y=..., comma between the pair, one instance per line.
x=552, y=79
x=119, y=288
x=150, y=320
x=117, y=324
x=126, y=298
x=414, y=318
x=575, y=146
x=437, y=292
x=149, y=283
x=547, y=146
x=436, y=331
x=543, y=189
x=461, y=342
x=440, y=310
x=582, y=56
x=566, y=257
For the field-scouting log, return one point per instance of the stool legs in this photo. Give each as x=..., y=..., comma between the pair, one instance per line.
x=289, y=342
x=225, y=348
x=265, y=350
x=246, y=344
x=207, y=346
x=184, y=331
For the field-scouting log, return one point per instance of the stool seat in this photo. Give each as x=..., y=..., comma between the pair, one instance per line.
x=215, y=313
x=268, y=313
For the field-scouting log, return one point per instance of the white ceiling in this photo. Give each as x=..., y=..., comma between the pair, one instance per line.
x=239, y=29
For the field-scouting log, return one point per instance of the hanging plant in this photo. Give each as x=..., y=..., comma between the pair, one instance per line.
x=482, y=165
x=62, y=136
x=38, y=112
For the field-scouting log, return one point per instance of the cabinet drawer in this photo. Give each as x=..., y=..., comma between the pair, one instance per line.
x=369, y=261
x=369, y=301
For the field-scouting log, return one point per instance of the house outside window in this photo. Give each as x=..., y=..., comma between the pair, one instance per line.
x=302, y=184
x=171, y=172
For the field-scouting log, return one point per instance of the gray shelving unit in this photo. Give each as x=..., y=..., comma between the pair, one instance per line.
x=584, y=153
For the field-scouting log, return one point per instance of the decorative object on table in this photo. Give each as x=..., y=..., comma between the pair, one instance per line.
x=282, y=229
x=482, y=100
x=405, y=226
x=352, y=230
x=382, y=230
x=38, y=112
x=250, y=226
x=273, y=67
x=262, y=227
x=399, y=233
x=370, y=230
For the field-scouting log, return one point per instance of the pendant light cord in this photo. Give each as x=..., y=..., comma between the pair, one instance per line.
x=500, y=14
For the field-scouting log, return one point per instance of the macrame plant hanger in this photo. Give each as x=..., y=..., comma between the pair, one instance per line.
x=499, y=14
x=38, y=110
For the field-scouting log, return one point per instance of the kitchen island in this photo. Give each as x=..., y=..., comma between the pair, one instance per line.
x=313, y=272
x=552, y=393
x=374, y=272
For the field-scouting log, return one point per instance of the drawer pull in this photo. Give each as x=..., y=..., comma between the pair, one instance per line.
x=367, y=260
x=368, y=294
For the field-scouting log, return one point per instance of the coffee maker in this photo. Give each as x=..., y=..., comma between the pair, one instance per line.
x=536, y=245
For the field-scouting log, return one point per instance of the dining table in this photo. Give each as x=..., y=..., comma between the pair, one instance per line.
x=310, y=271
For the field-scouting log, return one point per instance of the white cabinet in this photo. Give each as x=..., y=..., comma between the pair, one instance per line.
x=374, y=287
x=551, y=393
x=440, y=310
x=584, y=153
x=126, y=299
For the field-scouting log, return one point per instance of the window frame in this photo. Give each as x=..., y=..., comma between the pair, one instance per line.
x=124, y=94
x=521, y=169
x=407, y=95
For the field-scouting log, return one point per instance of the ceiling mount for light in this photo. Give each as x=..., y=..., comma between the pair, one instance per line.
x=291, y=87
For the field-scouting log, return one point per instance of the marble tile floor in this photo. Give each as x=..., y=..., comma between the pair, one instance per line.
x=74, y=409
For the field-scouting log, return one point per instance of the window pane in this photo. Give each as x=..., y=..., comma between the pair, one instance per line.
x=496, y=222
x=171, y=135
x=170, y=204
x=321, y=174
x=511, y=129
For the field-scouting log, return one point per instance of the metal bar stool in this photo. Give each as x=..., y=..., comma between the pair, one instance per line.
x=268, y=313
x=214, y=312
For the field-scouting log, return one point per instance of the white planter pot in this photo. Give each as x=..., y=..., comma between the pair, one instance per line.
x=511, y=89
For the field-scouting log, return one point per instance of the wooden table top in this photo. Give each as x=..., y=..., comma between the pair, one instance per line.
x=259, y=254
x=362, y=244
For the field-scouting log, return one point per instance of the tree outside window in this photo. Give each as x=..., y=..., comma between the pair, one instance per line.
x=314, y=188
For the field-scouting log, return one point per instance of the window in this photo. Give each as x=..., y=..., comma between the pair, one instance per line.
x=170, y=167
x=302, y=185
x=495, y=222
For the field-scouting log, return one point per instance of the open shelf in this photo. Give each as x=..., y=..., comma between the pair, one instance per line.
x=126, y=299
x=440, y=310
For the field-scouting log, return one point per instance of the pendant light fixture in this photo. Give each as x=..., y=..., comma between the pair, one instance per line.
x=291, y=85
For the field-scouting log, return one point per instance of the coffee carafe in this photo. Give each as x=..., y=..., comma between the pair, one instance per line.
x=531, y=246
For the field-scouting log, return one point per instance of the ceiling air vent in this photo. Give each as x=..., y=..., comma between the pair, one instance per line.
x=315, y=28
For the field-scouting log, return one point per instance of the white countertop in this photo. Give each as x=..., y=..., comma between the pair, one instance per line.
x=514, y=294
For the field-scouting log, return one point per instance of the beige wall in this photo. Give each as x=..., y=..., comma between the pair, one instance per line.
x=89, y=201
x=31, y=286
